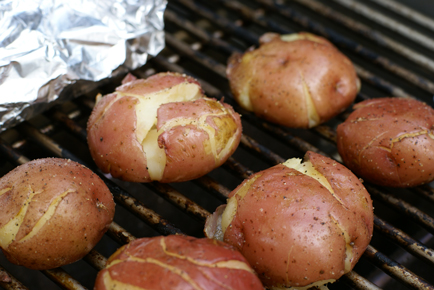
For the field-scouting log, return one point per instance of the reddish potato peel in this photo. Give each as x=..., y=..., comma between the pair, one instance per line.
x=177, y=262
x=162, y=128
x=298, y=80
x=389, y=142
x=298, y=225
x=52, y=212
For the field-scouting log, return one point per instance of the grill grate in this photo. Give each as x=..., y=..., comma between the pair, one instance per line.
x=200, y=36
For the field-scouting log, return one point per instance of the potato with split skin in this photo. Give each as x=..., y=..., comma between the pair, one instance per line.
x=389, y=142
x=162, y=128
x=298, y=80
x=52, y=212
x=298, y=224
x=177, y=262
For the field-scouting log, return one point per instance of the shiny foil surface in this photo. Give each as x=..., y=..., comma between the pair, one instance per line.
x=47, y=45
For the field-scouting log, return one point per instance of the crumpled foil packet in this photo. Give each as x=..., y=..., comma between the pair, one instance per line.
x=47, y=45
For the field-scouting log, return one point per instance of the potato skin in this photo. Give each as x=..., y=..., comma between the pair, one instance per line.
x=71, y=206
x=115, y=147
x=300, y=83
x=293, y=231
x=177, y=262
x=187, y=146
x=389, y=142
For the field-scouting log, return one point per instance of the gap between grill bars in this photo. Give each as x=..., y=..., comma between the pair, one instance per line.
x=200, y=36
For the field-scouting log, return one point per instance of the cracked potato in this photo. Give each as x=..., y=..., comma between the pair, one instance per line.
x=389, y=142
x=298, y=224
x=296, y=80
x=162, y=128
x=53, y=212
x=177, y=262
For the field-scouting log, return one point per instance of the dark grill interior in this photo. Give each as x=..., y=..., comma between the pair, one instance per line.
x=200, y=36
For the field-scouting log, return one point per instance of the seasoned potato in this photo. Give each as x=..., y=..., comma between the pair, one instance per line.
x=177, y=262
x=298, y=224
x=52, y=212
x=389, y=142
x=297, y=80
x=162, y=128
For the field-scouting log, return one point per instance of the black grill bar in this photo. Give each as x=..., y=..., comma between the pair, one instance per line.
x=390, y=23
x=179, y=200
x=396, y=270
x=407, y=12
x=404, y=240
x=9, y=282
x=366, y=31
x=403, y=207
x=63, y=279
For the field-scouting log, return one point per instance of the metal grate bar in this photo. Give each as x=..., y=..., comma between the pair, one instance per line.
x=370, y=33
x=413, y=212
x=179, y=200
x=63, y=279
x=9, y=282
x=388, y=22
x=212, y=40
x=224, y=23
x=407, y=13
x=404, y=240
x=396, y=270
x=186, y=50
x=213, y=187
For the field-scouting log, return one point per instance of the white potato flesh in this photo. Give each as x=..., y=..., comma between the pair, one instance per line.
x=146, y=112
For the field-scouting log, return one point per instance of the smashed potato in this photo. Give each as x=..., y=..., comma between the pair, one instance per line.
x=298, y=80
x=298, y=224
x=162, y=128
x=177, y=262
x=52, y=212
x=389, y=142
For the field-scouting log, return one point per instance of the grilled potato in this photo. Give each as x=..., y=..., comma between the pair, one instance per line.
x=161, y=129
x=298, y=80
x=52, y=212
x=298, y=224
x=389, y=142
x=177, y=262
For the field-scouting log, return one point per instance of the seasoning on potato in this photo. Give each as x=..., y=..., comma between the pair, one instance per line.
x=177, y=262
x=162, y=128
x=52, y=212
x=298, y=80
x=298, y=224
x=389, y=142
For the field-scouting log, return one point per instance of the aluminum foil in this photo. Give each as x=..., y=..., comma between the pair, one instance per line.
x=49, y=45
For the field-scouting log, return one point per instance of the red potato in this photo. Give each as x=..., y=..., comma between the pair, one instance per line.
x=177, y=262
x=52, y=212
x=389, y=142
x=298, y=224
x=297, y=80
x=162, y=128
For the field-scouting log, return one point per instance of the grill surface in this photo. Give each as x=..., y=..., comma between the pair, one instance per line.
x=391, y=47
